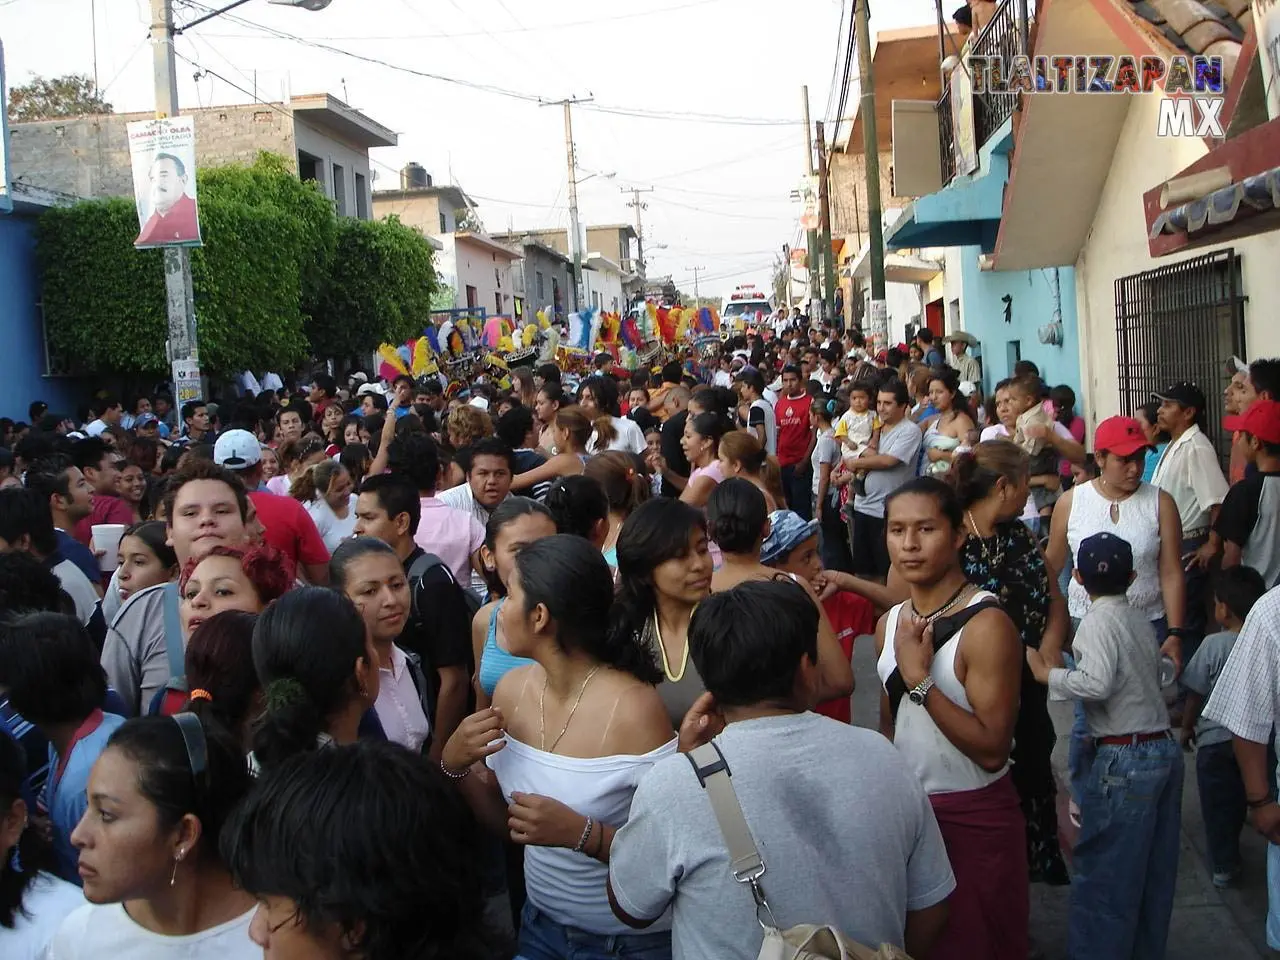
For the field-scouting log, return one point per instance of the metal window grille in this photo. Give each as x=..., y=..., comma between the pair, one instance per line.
x=1182, y=321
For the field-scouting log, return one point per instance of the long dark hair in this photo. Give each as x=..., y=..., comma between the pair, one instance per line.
x=508, y=511
x=219, y=665
x=369, y=840
x=951, y=380
x=34, y=851
x=570, y=577
x=306, y=673
x=657, y=531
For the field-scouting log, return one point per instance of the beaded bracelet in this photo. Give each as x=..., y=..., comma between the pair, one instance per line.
x=586, y=835
x=453, y=775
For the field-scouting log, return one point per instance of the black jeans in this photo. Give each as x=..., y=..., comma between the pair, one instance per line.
x=1222, y=804
x=870, y=553
x=800, y=491
x=835, y=542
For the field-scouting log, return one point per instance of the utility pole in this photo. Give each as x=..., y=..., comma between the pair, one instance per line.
x=808, y=169
x=697, y=297
x=879, y=312
x=824, y=199
x=184, y=348
x=639, y=205
x=575, y=243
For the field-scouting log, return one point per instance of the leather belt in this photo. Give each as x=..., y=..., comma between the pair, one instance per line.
x=1132, y=739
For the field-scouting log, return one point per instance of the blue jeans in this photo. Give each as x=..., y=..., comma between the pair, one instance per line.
x=542, y=938
x=1126, y=859
x=1222, y=803
x=1080, y=746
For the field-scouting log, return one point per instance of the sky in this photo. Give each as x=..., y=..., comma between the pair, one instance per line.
x=724, y=78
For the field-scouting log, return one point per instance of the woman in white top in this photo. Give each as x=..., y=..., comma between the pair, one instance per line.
x=33, y=902
x=951, y=713
x=567, y=738
x=156, y=885
x=598, y=397
x=327, y=491
x=296, y=458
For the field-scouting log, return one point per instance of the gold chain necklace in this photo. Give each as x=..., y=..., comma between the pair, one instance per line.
x=666, y=666
x=959, y=595
x=995, y=559
x=542, y=712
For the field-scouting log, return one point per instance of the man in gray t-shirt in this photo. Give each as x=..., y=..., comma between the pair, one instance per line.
x=845, y=830
x=888, y=467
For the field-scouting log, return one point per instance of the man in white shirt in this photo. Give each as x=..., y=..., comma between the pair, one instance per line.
x=1189, y=472
x=958, y=357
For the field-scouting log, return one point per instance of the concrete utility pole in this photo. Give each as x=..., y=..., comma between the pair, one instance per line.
x=697, y=297
x=812, y=234
x=639, y=205
x=828, y=257
x=879, y=312
x=184, y=347
x=575, y=242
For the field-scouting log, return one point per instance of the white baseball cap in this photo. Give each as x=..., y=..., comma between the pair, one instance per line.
x=237, y=450
x=369, y=389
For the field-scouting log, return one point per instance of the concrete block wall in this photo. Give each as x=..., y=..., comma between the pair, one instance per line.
x=847, y=174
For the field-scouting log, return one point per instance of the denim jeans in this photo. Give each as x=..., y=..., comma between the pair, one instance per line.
x=1126, y=859
x=1080, y=745
x=542, y=938
x=1222, y=803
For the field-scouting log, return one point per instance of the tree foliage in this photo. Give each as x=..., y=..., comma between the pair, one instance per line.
x=47, y=98
x=380, y=288
x=279, y=276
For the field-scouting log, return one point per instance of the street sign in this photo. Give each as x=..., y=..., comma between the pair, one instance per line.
x=186, y=381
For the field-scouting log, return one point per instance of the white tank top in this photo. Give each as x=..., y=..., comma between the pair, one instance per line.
x=939, y=763
x=571, y=887
x=1139, y=524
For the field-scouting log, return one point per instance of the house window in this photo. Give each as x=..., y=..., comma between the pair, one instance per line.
x=444, y=223
x=518, y=309
x=1179, y=322
x=362, y=197
x=539, y=287
x=473, y=297
x=497, y=299
x=340, y=190
x=497, y=278
x=310, y=168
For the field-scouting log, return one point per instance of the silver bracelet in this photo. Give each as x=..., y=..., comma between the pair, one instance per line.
x=586, y=835
x=451, y=774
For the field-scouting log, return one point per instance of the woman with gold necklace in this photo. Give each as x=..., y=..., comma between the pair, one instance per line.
x=664, y=571
x=554, y=762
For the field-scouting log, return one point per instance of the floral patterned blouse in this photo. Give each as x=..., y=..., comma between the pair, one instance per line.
x=1010, y=565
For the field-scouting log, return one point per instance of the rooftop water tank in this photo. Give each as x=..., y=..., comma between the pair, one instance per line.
x=414, y=176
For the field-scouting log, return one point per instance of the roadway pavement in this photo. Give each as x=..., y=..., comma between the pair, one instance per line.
x=1207, y=922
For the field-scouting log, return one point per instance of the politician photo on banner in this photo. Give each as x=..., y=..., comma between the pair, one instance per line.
x=163, y=153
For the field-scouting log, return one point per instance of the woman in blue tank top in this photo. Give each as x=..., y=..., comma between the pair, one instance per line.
x=516, y=523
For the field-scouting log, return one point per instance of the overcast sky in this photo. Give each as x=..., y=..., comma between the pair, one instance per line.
x=721, y=188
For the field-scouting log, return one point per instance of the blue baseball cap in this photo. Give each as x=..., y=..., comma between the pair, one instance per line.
x=787, y=530
x=1105, y=557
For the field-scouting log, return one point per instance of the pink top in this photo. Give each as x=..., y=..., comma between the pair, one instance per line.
x=399, y=707
x=1077, y=430
x=451, y=535
x=713, y=471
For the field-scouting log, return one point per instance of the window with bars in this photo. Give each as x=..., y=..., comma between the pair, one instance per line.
x=1182, y=321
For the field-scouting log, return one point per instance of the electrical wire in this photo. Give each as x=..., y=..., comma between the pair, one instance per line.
x=716, y=213
x=848, y=72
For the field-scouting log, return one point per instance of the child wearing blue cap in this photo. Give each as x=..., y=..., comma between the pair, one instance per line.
x=1126, y=858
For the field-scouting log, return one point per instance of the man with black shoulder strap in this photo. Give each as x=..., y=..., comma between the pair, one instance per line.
x=880, y=877
x=439, y=628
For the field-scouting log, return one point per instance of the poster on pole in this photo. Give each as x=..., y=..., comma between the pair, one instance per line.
x=963, y=132
x=163, y=153
x=186, y=381
x=879, y=317
x=1266, y=20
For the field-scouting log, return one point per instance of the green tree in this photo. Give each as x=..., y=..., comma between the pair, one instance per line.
x=444, y=297
x=380, y=286
x=48, y=98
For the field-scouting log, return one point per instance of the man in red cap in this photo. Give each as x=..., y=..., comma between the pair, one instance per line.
x=1249, y=521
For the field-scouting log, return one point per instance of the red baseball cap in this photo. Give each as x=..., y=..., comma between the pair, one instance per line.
x=1122, y=436
x=1261, y=420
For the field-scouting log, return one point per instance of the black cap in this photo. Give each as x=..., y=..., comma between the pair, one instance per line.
x=1185, y=393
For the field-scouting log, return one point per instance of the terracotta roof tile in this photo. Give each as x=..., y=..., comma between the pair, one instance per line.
x=1210, y=27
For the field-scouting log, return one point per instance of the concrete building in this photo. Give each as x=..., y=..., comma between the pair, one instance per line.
x=434, y=210
x=614, y=242
x=479, y=269
x=603, y=284
x=321, y=138
x=544, y=273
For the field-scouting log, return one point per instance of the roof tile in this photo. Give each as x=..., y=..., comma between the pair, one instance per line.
x=1208, y=27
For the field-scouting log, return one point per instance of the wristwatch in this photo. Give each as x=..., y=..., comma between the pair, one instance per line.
x=920, y=692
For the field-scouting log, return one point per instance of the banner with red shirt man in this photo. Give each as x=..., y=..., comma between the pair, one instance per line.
x=163, y=154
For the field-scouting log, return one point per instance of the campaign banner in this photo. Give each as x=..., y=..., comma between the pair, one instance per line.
x=163, y=153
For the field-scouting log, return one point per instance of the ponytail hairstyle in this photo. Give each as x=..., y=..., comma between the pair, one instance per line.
x=657, y=531
x=604, y=390
x=308, y=675
x=570, y=578
x=508, y=511
x=975, y=473
x=573, y=420
x=355, y=457
x=828, y=407
x=710, y=426
x=771, y=477
x=220, y=675
x=950, y=379
x=744, y=447
x=737, y=515
x=579, y=505
x=315, y=482
x=623, y=477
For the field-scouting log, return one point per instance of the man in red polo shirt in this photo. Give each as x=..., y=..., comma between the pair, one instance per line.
x=289, y=528
x=795, y=437
x=173, y=217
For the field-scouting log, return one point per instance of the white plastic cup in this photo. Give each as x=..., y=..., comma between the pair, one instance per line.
x=106, y=539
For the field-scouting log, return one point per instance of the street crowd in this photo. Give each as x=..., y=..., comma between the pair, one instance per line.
x=558, y=664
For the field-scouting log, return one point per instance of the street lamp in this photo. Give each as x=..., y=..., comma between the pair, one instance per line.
x=592, y=176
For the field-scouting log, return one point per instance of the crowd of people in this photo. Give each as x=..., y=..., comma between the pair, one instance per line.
x=419, y=669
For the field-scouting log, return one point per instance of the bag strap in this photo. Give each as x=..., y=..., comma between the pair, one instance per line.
x=715, y=777
x=173, y=631
x=944, y=628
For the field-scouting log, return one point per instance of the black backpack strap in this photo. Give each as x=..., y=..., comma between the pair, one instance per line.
x=426, y=693
x=944, y=628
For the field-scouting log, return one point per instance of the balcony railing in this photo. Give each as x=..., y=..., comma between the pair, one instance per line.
x=946, y=137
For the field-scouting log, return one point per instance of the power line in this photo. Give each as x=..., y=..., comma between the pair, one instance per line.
x=719, y=213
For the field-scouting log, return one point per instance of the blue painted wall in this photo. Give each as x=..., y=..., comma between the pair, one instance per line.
x=22, y=356
x=1033, y=305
